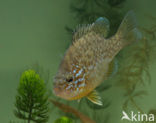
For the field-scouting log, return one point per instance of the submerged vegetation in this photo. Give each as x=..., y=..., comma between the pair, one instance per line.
x=134, y=70
x=31, y=100
x=87, y=11
x=64, y=120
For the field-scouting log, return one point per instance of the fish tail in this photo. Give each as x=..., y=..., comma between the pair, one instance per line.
x=128, y=32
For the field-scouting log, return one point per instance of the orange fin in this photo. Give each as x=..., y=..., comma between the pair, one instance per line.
x=94, y=97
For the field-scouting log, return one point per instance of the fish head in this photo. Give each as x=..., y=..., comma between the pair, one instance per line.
x=71, y=84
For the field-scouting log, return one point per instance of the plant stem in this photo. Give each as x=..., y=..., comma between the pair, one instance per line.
x=135, y=105
x=30, y=109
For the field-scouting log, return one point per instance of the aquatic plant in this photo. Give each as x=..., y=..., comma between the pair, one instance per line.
x=31, y=99
x=87, y=11
x=64, y=120
x=151, y=36
x=11, y=121
x=44, y=74
x=134, y=70
x=134, y=66
x=115, y=2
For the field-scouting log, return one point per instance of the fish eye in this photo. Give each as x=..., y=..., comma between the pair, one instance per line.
x=70, y=79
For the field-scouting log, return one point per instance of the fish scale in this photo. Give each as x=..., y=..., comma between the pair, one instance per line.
x=89, y=59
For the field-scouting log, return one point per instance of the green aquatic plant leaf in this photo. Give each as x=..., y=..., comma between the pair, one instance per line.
x=131, y=98
x=32, y=99
x=140, y=93
x=63, y=120
x=11, y=121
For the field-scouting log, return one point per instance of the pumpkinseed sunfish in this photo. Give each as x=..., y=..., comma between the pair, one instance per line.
x=89, y=59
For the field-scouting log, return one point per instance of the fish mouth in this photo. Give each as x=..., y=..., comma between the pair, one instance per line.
x=56, y=91
x=60, y=92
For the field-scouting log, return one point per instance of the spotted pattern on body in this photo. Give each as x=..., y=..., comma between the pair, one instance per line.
x=87, y=62
x=78, y=80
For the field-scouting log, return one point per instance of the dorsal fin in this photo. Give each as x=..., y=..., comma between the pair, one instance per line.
x=82, y=30
x=101, y=26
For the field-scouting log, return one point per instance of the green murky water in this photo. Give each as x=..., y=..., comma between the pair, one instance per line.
x=32, y=31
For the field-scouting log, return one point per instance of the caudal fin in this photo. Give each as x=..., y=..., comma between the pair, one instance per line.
x=128, y=32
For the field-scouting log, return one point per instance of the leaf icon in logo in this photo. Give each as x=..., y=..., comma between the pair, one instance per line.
x=125, y=116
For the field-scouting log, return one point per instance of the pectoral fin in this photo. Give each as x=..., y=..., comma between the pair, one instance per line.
x=94, y=97
x=113, y=68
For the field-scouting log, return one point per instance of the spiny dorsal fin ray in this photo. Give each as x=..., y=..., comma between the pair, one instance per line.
x=100, y=26
x=82, y=30
x=94, y=97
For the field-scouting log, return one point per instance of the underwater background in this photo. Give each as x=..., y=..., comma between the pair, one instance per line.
x=34, y=34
